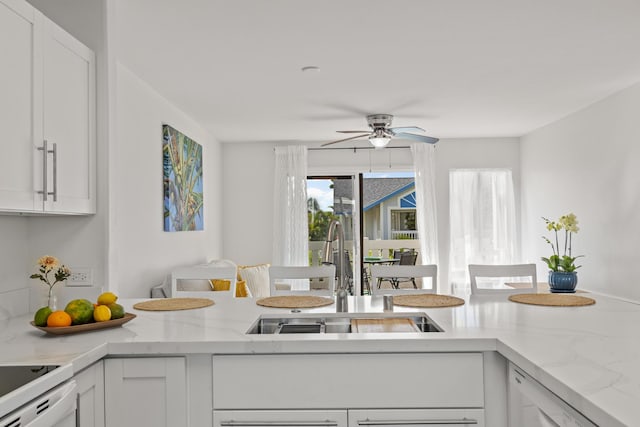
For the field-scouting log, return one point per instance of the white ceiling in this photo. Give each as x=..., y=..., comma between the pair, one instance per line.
x=458, y=68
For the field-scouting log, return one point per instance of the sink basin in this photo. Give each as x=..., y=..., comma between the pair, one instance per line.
x=331, y=324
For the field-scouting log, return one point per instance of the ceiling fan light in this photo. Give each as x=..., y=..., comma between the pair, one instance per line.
x=379, y=142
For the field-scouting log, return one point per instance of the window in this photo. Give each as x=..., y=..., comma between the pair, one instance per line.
x=482, y=220
x=403, y=223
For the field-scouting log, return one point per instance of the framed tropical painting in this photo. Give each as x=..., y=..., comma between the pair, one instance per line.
x=182, y=177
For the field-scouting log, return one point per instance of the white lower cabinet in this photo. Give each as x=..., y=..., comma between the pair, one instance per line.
x=90, y=404
x=331, y=390
x=148, y=391
x=315, y=418
x=416, y=417
x=355, y=380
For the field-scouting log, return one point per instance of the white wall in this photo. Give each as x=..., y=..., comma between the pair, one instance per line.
x=144, y=252
x=14, y=265
x=587, y=164
x=249, y=172
x=247, y=202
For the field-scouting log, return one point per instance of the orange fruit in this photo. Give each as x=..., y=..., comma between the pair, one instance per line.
x=59, y=318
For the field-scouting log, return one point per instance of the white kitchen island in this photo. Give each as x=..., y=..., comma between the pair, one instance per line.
x=586, y=355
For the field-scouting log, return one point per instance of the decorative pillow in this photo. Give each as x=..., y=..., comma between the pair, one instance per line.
x=257, y=278
x=224, y=285
x=242, y=290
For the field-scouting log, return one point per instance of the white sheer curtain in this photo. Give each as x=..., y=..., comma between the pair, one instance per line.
x=482, y=221
x=290, y=222
x=426, y=218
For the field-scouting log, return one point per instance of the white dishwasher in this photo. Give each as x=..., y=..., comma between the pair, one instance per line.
x=532, y=405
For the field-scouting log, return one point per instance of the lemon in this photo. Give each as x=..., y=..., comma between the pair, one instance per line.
x=40, y=319
x=107, y=298
x=101, y=313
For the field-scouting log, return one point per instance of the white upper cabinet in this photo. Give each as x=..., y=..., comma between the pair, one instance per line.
x=69, y=121
x=20, y=86
x=48, y=116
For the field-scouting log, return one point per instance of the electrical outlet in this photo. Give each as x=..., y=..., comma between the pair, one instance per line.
x=80, y=277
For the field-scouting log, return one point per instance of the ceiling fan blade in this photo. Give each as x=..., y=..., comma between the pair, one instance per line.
x=406, y=129
x=345, y=139
x=421, y=138
x=353, y=131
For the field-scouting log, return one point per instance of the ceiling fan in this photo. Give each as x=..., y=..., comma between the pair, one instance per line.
x=381, y=132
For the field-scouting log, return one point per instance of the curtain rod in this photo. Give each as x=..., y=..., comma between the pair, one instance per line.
x=354, y=148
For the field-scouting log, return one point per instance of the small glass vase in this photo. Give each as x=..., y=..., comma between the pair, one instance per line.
x=563, y=281
x=50, y=299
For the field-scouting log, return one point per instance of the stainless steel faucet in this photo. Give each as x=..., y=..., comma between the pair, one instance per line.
x=327, y=258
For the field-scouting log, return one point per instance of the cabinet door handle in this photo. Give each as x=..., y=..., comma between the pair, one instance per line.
x=462, y=421
x=45, y=151
x=54, y=151
x=78, y=409
x=45, y=169
x=326, y=423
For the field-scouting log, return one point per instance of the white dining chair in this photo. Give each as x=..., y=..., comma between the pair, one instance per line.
x=510, y=273
x=395, y=274
x=303, y=280
x=195, y=281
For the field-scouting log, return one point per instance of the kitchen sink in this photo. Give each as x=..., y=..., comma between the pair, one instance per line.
x=340, y=323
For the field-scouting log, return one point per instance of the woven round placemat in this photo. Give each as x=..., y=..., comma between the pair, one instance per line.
x=552, y=300
x=295, y=301
x=427, y=300
x=170, y=304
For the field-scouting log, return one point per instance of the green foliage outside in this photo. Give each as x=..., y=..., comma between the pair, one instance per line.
x=319, y=224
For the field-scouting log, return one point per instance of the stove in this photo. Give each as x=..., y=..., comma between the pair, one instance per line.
x=21, y=385
x=14, y=377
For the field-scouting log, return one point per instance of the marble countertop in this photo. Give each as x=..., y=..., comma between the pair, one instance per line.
x=586, y=355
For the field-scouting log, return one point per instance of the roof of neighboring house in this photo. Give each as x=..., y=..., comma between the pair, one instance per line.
x=342, y=190
x=377, y=190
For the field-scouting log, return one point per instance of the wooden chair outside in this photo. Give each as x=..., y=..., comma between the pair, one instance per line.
x=397, y=274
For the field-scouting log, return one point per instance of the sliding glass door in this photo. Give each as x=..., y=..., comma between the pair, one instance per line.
x=377, y=211
x=329, y=198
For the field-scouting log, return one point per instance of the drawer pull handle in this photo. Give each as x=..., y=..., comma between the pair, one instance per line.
x=327, y=423
x=463, y=421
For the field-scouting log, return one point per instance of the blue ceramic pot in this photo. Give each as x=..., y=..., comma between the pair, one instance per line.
x=563, y=281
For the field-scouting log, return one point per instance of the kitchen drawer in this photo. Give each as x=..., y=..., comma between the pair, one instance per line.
x=416, y=418
x=280, y=418
x=383, y=380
